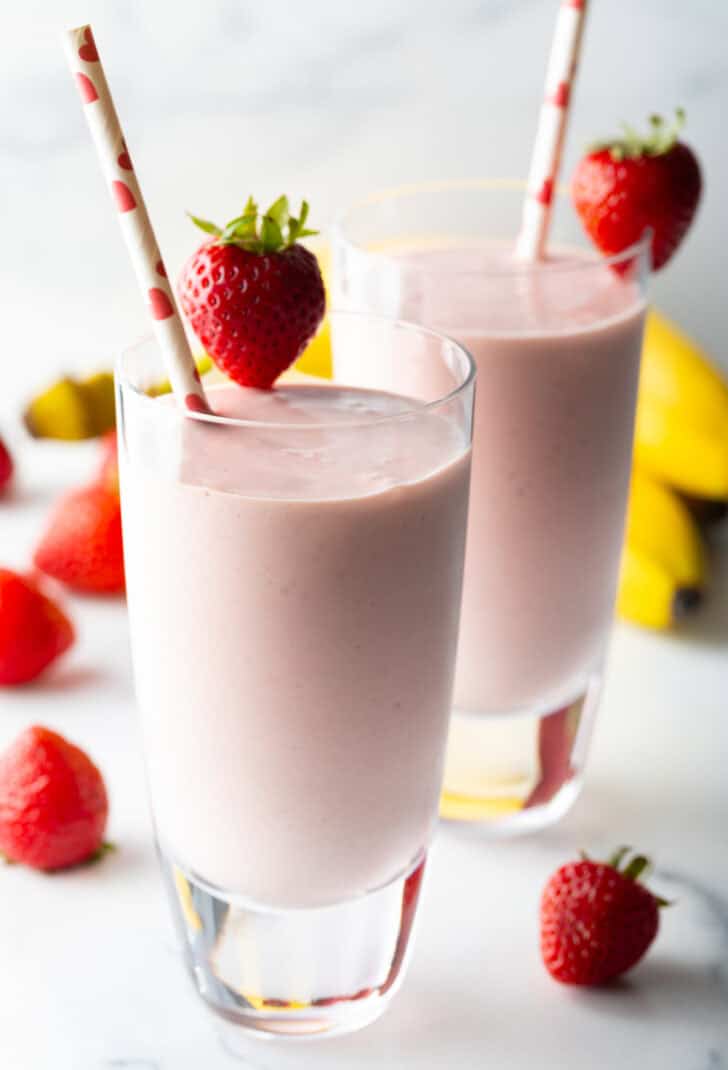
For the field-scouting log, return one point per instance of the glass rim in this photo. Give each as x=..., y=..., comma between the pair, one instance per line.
x=338, y=230
x=416, y=409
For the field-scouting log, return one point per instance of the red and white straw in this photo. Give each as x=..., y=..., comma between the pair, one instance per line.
x=546, y=156
x=85, y=65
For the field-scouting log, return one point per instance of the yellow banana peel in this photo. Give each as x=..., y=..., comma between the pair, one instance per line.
x=62, y=411
x=316, y=357
x=690, y=457
x=681, y=433
x=679, y=373
x=664, y=567
x=74, y=409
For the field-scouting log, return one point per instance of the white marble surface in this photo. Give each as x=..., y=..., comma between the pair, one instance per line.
x=90, y=978
x=327, y=100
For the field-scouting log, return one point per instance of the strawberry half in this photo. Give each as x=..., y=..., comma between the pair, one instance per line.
x=624, y=186
x=253, y=296
x=82, y=546
x=597, y=920
x=53, y=803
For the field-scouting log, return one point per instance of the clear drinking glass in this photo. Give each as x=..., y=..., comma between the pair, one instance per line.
x=294, y=585
x=557, y=347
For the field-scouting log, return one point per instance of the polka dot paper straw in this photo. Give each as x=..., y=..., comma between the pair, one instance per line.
x=83, y=59
x=546, y=156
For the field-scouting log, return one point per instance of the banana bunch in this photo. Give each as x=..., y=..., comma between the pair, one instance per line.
x=681, y=456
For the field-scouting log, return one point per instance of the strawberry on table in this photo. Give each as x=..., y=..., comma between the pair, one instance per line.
x=53, y=802
x=253, y=295
x=34, y=631
x=82, y=546
x=597, y=920
x=6, y=467
x=624, y=186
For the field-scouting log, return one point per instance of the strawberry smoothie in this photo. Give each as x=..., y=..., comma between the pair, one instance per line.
x=557, y=351
x=294, y=593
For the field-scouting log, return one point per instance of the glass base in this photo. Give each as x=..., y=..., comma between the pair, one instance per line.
x=516, y=772
x=293, y=973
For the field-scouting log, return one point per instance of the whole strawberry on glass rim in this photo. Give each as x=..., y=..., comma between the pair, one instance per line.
x=625, y=186
x=253, y=295
x=597, y=920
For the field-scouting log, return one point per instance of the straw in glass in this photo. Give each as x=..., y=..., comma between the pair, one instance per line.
x=546, y=155
x=98, y=106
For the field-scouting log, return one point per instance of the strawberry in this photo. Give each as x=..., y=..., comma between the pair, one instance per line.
x=624, y=186
x=82, y=545
x=34, y=631
x=6, y=467
x=53, y=803
x=597, y=921
x=108, y=475
x=254, y=297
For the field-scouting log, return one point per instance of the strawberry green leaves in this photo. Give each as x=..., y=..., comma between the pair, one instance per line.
x=275, y=230
x=203, y=224
x=662, y=136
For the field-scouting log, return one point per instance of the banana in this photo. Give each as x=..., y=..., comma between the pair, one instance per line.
x=61, y=411
x=681, y=433
x=316, y=357
x=664, y=568
x=73, y=409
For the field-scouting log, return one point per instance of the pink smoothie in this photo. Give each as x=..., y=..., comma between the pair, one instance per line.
x=557, y=348
x=294, y=617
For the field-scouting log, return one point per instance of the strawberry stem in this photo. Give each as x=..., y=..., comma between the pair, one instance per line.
x=636, y=868
x=105, y=849
x=273, y=231
x=661, y=137
x=617, y=857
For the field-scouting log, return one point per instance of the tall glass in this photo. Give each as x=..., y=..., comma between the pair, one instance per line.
x=294, y=578
x=557, y=347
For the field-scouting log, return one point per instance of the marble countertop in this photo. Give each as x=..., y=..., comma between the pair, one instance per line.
x=91, y=978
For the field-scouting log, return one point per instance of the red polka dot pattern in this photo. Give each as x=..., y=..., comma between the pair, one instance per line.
x=159, y=304
x=195, y=404
x=546, y=192
x=560, y=97
x=87, y=51
x=123, y=196
x=124, y=159
x=86, y=88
